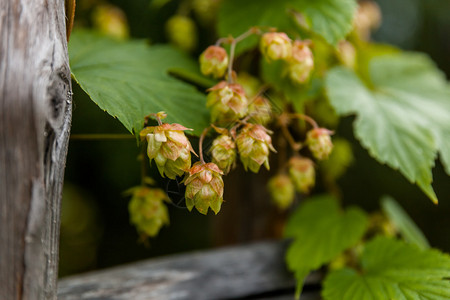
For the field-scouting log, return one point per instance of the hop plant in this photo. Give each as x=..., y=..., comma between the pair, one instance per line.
x=227, y=102
x=223, y=152
x=169, y=147
x=301, y=63
x=254, y=143
x=214, y=61
x=302, y=173
x=319, y=142
x=281, y=191
x=260, y=110
x=275, y=46
x=204, y=188
x=147, y=210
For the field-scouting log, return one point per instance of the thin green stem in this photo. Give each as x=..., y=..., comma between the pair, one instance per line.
x=294, y=145
x=101, y=136
x=305, y=118
x=200, y=144
x=234, y=41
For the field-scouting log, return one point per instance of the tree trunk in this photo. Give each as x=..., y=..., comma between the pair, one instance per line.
x=35, y=114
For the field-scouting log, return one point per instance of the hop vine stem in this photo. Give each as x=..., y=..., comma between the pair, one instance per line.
x=305, y=118
x=200, y=144
x=233, y=42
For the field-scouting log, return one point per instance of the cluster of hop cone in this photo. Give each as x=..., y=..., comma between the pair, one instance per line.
x=239, y=122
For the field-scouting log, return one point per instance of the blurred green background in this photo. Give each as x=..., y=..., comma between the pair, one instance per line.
x=95, y=230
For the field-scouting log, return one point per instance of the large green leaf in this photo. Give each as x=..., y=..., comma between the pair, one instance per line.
x=131, y=80
x=321, y=231
x=402, y=114
x=331, y=19
x=392, y=269
x=407, y=228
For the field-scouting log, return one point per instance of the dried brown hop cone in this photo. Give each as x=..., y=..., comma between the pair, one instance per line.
x=204, y=188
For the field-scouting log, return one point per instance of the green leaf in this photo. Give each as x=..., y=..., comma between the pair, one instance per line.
x=407, y=228
x=332, y=19
x=131, y=80
x=321, y=231
x=392, y=269
x=402, y=114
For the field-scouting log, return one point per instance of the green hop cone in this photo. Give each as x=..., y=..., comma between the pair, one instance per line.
x=223, y=152
x=254, y=143
x=301, y=63
x=347, y=54
x=169, y=147
x=260, y=111
x=204, y=188
x=303, y=174
x=182, y=32
x=214, y=61
x=281, y=191
x=367, y=19
x=147, y=210
x=275, y=46
x=227, y=102
x=319, y=142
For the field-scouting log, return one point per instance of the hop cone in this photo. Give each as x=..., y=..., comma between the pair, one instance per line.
x=147, y=210
x=301, y=63
x=281, y=190
x=169, y=147
x=214, y=61
x=227, y=102
x=182, y=32
x=223, y=152
x=319, y=142
x=254, y=144
x=260, y=111
x=302, y=173
x=204, y=187
x=275, y=46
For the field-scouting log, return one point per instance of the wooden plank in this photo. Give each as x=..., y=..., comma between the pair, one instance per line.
x=225, y=273
x=35, y=115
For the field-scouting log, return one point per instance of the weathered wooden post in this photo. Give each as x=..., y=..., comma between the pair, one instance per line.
x=35, y=114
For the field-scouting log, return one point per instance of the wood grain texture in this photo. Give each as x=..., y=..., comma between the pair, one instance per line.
x=35, y=114
x=255, y=271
